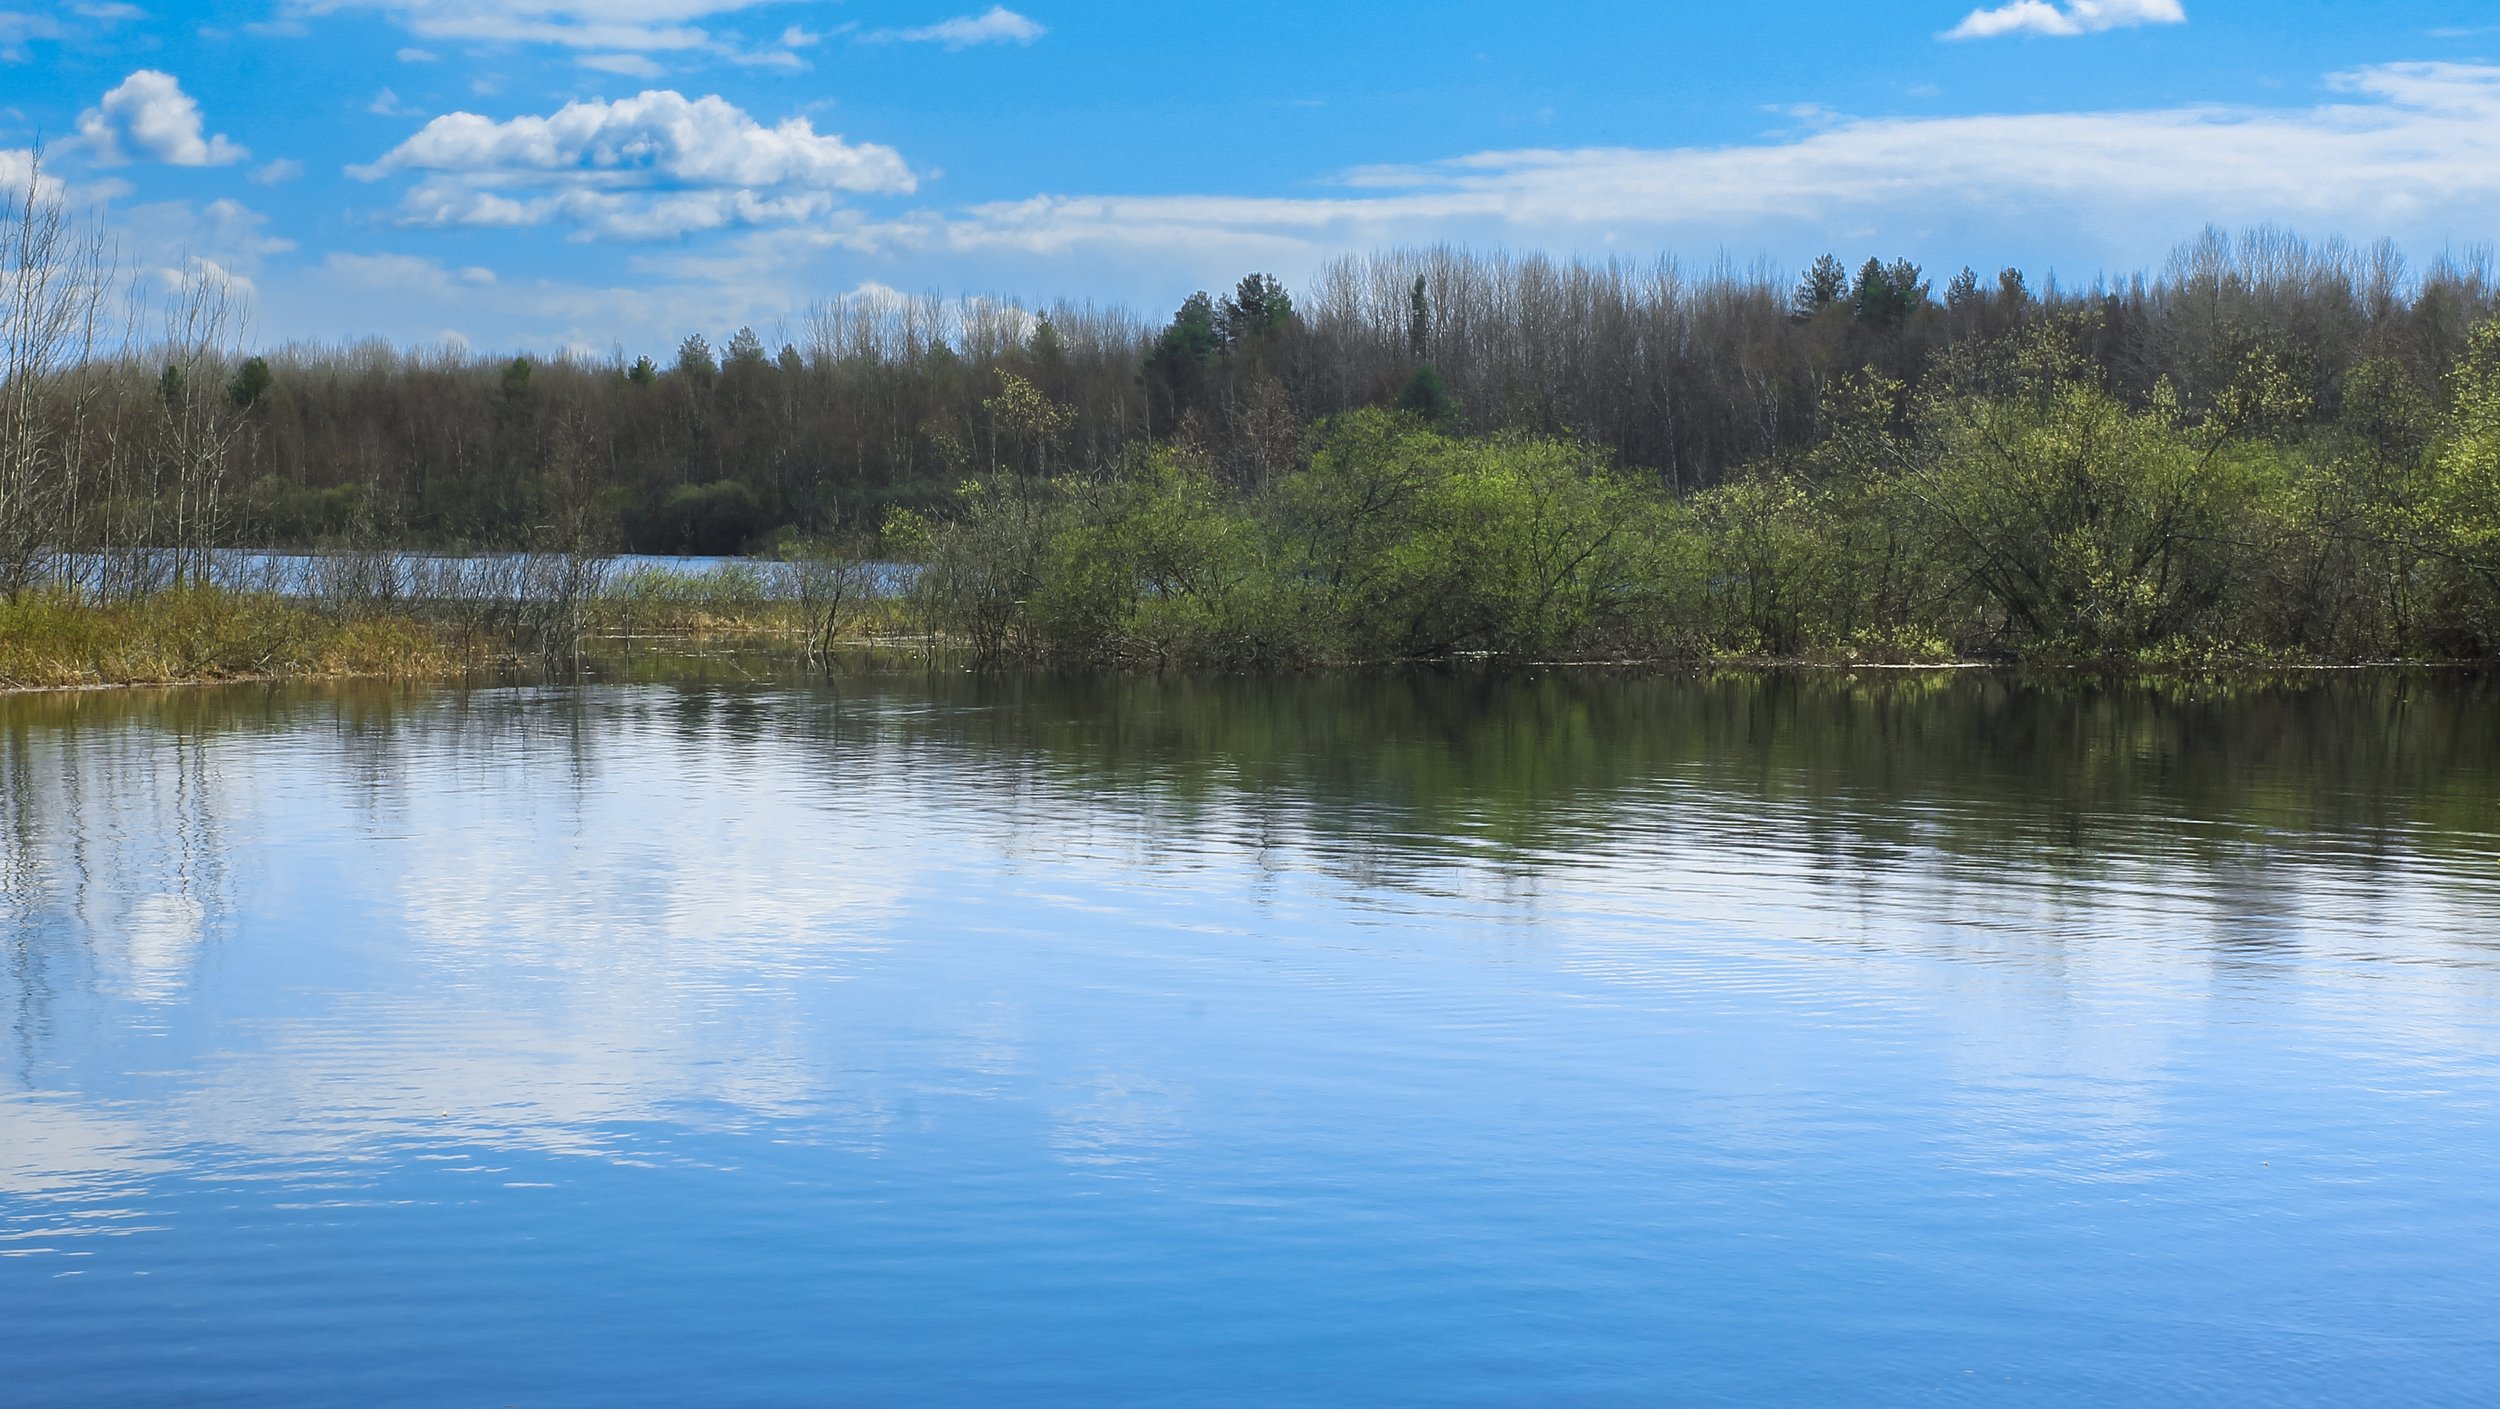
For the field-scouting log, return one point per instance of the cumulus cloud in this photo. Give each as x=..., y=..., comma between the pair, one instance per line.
x=648, y=167
x=2071, y=17
x=278, y=172
x=997, y=25
x=148, y=114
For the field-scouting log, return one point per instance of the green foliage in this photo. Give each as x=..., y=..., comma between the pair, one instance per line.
x=1194, y=335
x=1428, y=398
x=2456, y=517
x=2015, y=507
x=251, y=382
x=1396, y=542
x=1157, y=564
x=1886, y=295
x=1026, y=425
x=695, y=360
x=1424, y=545
x=1259, y=308
x=1823, y=285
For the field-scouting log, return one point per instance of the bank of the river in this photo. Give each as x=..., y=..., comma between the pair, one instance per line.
x=211, y=636
x=52, y=641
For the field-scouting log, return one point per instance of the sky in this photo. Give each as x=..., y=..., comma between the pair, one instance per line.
x=610, y=175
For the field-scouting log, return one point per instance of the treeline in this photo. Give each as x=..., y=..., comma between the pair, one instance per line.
x=2013, y=504
x=2267, y=445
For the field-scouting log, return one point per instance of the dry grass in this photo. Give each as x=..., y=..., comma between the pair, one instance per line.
x=54, y=640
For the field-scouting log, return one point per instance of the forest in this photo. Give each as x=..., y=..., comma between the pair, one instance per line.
x=2267, y=450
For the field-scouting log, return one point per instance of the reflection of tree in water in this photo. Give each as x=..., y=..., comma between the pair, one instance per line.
x=1984, y=766
x=1501, y=785
x=115, y=876
x=1949, y=811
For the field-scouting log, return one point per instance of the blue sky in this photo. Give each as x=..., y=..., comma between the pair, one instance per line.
x=542, y=174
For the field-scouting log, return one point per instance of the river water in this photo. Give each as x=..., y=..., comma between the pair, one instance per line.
x=1368, y=1040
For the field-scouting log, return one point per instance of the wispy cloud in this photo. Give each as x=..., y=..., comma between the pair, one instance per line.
x=653, y=166
x=148, y=117
x=611, y=25
x=628, y=65
x=997, y=25
x=2071, y=17
x=2411, y=150
x=19, y=27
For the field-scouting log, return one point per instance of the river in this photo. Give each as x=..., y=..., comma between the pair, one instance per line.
x=1367, y=1039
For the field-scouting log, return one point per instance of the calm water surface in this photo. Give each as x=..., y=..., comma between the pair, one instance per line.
x=1372, y=1041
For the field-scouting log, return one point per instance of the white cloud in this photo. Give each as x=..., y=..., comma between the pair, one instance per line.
x=149, y=114
x=418, y=56
x=998, y=25
x=405, y=273
x=278, y=172
x=227, y=234
x=386, y=104
x=2071, y=17
x=2413, y=152
x=2409, y=151
x=647, y=167
x=629, y=65
x=17, y=167
x=18, y=27
x=613, y=25
x=17, y=164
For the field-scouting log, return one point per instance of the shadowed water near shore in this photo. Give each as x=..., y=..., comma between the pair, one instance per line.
x=1390, y=1038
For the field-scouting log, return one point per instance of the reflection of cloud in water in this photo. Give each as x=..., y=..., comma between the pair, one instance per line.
x=161, y=938
x=1116, y=1118
x=590, y=949
x=51, y=1146
x=116, y=848
x=566, y=923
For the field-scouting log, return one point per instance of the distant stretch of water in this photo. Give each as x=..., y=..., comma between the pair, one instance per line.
x=1368, y=1041
x=307, y=574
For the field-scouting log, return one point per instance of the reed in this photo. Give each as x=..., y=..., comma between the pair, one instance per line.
x=52, y=638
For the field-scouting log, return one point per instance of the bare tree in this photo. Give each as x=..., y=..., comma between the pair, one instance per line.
x=200, y=419
x=54, y=276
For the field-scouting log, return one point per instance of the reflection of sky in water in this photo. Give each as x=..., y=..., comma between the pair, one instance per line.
x=1472, y=1072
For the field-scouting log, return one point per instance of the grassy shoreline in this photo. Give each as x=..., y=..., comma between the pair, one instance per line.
x=52, y=643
